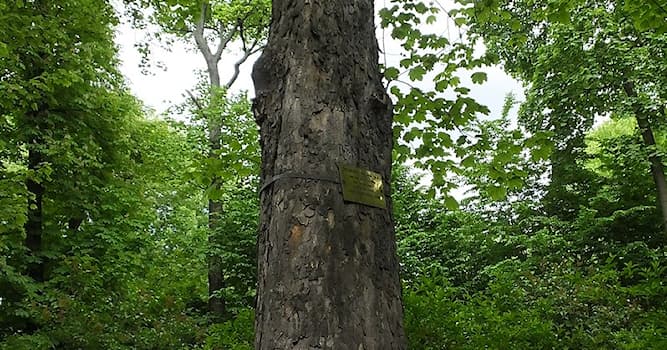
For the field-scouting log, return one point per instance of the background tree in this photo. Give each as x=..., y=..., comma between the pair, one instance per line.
x=63, y=108
x=121, y=250
x=582, y=60
x=212, y=26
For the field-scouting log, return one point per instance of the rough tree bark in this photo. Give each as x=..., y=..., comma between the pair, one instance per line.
x=657, y=167
x=224, y=36
x=328, y=272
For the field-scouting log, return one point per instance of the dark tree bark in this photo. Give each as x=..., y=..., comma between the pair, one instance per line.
x=33, y=226
x=35, y=124
x=657, y=168
x=327, y=270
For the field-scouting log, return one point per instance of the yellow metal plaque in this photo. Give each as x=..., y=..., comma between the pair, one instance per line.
x=362, y=186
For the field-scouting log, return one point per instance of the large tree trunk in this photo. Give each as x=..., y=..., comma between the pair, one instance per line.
x=328, y=272
x=657, y=168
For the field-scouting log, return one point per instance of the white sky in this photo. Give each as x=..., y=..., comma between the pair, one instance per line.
x=163, y=88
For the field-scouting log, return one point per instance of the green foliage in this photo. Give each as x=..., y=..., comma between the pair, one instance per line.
x=237, y=244
x=124, y=240
x=580, y=59
x=179, y=17
x=236, y=158
x=648, y=15
x=133, y=276
x=623, y=191
x=519, y=280
x=426, y=117
x=505, y=275
x=235, y=334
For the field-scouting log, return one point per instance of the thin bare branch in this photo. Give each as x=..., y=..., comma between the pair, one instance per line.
x=258, y=49
x=214, y=29
x=194, y=99
x=237, y=70
x=239, y=24
x=239, y=28
x=254, y=48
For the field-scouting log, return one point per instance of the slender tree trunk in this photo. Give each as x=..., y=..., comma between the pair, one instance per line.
x=34, y=229
x=33, y=226
x=327, y=270
x=225, y=35
x=216, y=281
x=657, y=167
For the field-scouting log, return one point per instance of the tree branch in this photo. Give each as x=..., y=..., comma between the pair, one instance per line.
x=254, y=48
x=200, y=39
x=224, y=41
x=239, y=24
x=194, y=99
x=214, y=29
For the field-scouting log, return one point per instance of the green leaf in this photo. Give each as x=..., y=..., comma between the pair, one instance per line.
x=421, y=8
x=515, y=183
x=468, y=162
x=478, y=77
x=417, y=73
x=459, y=21
x=497, y=192
x=562, y=15
x=391, y=73
x=441, y=85
x=451, y=203
x=541, y=152
x=4, y=51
